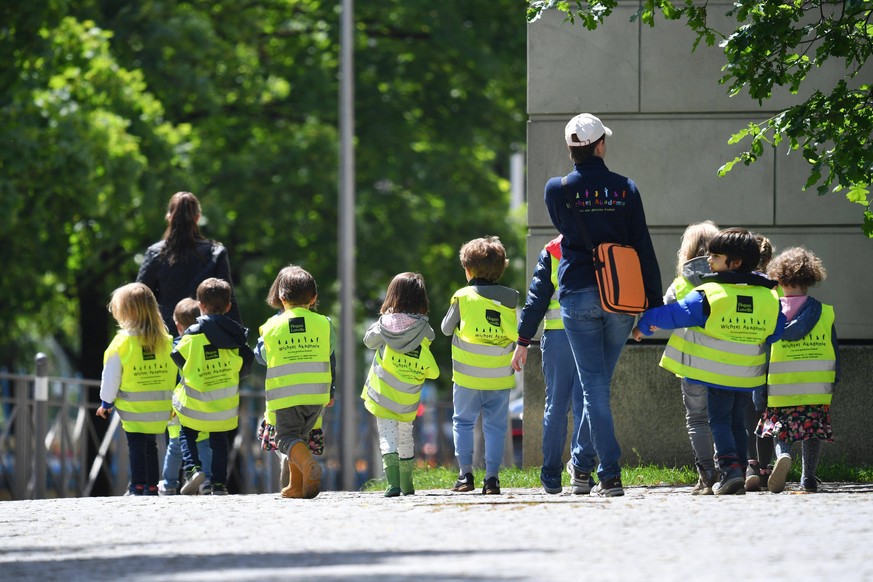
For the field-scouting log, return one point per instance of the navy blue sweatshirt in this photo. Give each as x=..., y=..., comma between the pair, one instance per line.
x=612, y=211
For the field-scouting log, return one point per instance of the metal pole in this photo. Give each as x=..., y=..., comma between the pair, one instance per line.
x=347, y=245
x=22, y=439
x=40, y=402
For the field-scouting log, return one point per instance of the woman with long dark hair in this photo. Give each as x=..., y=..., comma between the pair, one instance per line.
x=183, y=258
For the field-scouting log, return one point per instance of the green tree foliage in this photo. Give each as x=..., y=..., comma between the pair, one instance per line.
x=122, y=104
x=776, y=44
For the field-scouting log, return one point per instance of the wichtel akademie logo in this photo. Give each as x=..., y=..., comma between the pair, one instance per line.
x=598, y=199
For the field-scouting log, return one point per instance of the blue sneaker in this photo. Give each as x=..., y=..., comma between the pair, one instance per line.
x=551, y=483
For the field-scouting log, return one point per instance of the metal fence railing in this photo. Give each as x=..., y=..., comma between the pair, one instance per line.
x=50, y=445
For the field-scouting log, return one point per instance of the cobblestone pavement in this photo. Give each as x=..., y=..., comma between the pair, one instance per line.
x=652, y=533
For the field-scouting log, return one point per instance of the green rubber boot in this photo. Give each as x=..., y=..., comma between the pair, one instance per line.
x=391, y=463
x=406, y=467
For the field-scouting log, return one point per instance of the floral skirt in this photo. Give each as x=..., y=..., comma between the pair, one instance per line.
x=797, y=423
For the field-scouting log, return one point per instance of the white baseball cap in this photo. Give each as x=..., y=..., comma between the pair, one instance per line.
x=587, y=128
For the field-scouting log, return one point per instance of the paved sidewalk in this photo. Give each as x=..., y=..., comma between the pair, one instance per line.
x=653, y=533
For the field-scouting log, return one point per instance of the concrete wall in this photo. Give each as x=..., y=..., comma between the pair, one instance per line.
x=671, y=122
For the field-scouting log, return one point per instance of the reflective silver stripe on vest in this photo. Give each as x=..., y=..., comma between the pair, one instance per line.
x=394, y=381
x=479, y=372
x=211, y=395
x=707, y=365
x=795, y=389
x=730, y=347
x=553, y=314
x=298, y=368
x=129, y=416
x=149, y=396
x=482, y=350
x=389, y=404
x=209, y=416
x=790, y=367
x=297, y=390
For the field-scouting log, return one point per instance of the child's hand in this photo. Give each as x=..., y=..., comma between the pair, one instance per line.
x=636, y=333
x=104, y=412
x=329, y=403
x=519, y=358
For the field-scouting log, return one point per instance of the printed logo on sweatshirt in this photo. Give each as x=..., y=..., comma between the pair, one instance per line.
x=745, y=304
x=210, y=352
x=297, y=325
x=597, y=200
x=148, y=355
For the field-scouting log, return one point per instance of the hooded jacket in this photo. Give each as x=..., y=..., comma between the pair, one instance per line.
x=223, y=333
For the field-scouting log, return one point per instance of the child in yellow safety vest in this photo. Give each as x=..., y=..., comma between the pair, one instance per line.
x=804, y=367
x=137, y=381
x=483, y=325
x=297, y=346
x=213, y=358
x=402, y=362
x=185, y=315
x=729, y=320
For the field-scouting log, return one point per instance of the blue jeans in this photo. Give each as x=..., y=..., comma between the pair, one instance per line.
x=173, y=461
x=494, y=406
x=596, y=339
x=562, y=389
x=218, y=445
x=142, y=450
x=727, y=420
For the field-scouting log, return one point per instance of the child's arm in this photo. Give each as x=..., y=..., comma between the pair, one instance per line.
x=260, y=352
x=332, y=363
x=110, y=382
x=688, y=312
x=373, y=336
x=452, y=319
x=539, y=295
x=781, y=321
x=248, y=356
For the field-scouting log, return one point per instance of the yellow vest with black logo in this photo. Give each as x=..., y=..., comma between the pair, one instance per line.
x=482, y=345
x=803, y=372
x=393, y=387
x=207, y=397
x=729, y=350
x=681, y=287
x=144, y=400
x=553, y=315
x=297, y=352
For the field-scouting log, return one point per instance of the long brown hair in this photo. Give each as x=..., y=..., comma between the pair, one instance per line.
x=182, y=234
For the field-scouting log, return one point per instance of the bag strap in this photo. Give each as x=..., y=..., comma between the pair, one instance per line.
x=571, y=207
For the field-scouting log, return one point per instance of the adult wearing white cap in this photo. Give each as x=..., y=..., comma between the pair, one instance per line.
x=611, y=210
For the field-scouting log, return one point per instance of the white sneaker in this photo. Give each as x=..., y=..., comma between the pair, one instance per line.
x=776, y=482
x=192, y=485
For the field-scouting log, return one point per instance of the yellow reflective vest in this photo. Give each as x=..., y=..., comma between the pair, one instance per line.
x=144, y=400
x=803, y=372
x=729, y=350
x=393, y=386
x=482, y=345
x=207, y=397
x=297, y=352
x=553, y=314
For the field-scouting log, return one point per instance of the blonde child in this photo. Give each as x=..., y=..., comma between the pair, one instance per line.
x=297, y=346
x=137, y=380
x=691, y=265
x=804, y=367
x=483, y=324
x=402, y=362
x=184, y=316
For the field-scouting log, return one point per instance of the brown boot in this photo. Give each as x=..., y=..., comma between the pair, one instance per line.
x=302, y=460
x=294, y=488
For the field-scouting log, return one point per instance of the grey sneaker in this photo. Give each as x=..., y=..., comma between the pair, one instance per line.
x=753, y=477
x=218, y=489
x=608, y=488
x=205, y=488
x=732, y=483
x=195, y=478
x=705, y=481
x=776, y=483
x=580, y=481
